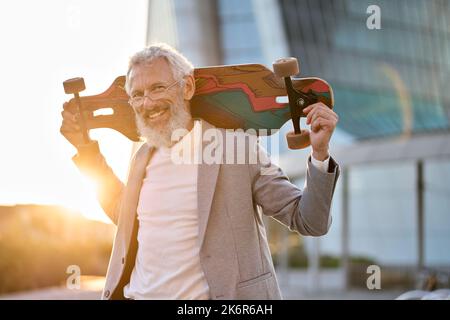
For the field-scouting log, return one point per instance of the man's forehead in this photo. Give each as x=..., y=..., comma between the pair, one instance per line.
x=157, y=70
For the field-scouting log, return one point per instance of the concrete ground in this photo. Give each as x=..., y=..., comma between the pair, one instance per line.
x=91, y=288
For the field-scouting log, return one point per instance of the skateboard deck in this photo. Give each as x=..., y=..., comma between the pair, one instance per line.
x=244, y=96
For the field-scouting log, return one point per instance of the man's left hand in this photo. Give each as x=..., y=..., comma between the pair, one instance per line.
x=323, y=121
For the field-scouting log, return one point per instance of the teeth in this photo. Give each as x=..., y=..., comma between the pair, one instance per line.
x=156, y=114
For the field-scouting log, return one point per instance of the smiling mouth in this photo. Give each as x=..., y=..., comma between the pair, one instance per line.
x=156, y=113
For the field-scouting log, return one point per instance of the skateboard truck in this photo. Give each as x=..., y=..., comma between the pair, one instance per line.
x=285, y=68
x=115, y=98
x=75, y=86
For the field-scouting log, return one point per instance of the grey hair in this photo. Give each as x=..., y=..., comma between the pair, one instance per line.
x=179, y=64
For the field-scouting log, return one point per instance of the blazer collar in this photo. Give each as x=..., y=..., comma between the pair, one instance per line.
x=206, y=184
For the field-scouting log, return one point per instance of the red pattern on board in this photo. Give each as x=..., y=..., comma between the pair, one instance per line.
x=258, y=103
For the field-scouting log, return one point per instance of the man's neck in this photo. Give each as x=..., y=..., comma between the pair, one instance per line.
x=189, y=128
x=190, y=125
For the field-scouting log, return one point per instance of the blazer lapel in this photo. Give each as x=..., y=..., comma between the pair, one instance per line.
x=133, y=188
x=206, y=185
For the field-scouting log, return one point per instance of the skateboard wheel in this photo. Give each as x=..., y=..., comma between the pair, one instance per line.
x=74, y=85
x=286, y=67
x=298, y=141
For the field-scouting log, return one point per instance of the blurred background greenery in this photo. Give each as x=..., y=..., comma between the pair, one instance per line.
x=38, y=243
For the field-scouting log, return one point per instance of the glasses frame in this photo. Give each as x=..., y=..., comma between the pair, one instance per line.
x=134, y=101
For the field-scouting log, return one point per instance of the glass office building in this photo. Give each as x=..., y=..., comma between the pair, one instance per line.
x=392, y=202
x=388, y=83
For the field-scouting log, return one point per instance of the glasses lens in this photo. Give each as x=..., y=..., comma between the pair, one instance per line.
x=155, y=94
x=136, y=101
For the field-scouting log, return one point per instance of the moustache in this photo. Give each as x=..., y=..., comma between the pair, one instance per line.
x=143, y=112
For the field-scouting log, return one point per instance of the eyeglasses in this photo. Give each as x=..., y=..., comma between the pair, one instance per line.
x=156, y=93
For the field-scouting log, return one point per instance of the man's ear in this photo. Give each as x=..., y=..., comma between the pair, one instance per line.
x=189, y=87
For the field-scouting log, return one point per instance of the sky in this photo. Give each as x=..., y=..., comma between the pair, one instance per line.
x=44, y=43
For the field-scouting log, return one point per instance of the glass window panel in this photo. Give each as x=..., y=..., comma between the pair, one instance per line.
x=437, y=212
x=382, y=228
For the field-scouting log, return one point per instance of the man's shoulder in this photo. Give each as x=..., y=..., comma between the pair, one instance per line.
x=141, y=151
x=237, y=132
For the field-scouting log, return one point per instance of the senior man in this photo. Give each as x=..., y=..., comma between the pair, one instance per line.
x=195, y=230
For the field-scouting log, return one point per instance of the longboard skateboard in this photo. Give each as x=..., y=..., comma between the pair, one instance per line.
x=247, y=96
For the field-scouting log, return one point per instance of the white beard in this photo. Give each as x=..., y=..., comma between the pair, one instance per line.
x=179, y=119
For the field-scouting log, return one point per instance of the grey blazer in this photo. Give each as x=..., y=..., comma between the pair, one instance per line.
x=234, y=251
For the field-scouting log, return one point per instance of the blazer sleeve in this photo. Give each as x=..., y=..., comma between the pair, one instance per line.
x=306, y=211
x=109, y=188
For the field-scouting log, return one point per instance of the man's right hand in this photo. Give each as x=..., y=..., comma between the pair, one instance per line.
x=70, y=128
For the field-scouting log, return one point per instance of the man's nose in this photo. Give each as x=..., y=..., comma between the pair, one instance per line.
x=148, y=102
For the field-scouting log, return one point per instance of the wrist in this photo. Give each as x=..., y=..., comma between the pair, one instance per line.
x=89, y=148
x=320, y=155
